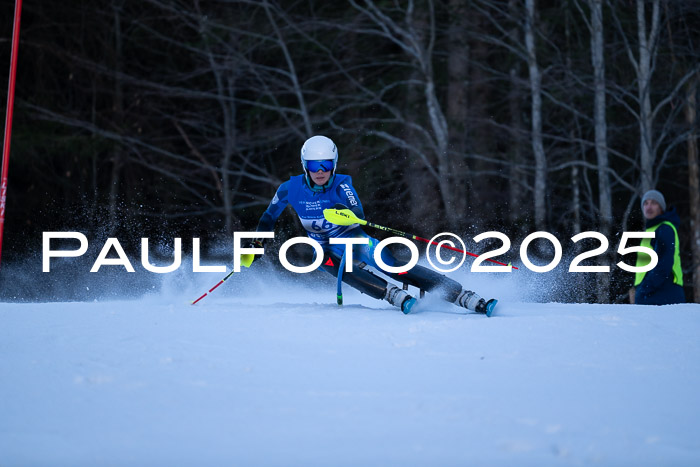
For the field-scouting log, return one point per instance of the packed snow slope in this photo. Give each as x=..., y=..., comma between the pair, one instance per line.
x=274, y=373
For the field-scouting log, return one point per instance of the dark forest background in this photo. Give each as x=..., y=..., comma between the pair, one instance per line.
x=179, y=118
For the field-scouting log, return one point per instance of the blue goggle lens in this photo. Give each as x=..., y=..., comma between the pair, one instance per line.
x=314, y=166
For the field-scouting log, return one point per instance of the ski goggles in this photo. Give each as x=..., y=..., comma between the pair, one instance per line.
x=315, y=166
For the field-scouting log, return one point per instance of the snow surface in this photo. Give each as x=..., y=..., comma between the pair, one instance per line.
x=268, y=371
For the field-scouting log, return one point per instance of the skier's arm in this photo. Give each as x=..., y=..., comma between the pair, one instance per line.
x=269, y=217
x=273, y=211
x=665, y=250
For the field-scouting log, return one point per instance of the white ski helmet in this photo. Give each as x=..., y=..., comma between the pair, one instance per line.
x=319, y=148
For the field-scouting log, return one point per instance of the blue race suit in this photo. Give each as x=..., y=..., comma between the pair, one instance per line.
x=309, y=203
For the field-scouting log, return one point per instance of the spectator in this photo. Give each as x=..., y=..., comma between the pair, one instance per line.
x=663, y=285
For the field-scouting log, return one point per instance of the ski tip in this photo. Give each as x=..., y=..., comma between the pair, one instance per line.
x=490, y=305
x=408, y=304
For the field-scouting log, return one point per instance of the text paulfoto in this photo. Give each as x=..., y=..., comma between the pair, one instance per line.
x=440, y=242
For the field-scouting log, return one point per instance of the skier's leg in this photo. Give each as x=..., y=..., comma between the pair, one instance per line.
x=368, y=283
x=434, y=282
x=430, y=281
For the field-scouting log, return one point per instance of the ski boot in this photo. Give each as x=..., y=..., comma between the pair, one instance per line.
x=486, y=306
x=400, y=298
x=472, y=301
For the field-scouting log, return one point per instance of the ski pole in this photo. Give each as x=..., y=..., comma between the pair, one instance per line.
x=347, y=217
x=212, y=289
x=8, y=116
x=246, y=260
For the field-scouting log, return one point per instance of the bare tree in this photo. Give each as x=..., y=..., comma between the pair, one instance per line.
x=601, y=141
x=418, y=45
x=536, y=116
x=516, y=131
x=657, y=122
x=118, y=156
x=456, y=101
x=523, y=25
x=642, y=60
x=643, y=67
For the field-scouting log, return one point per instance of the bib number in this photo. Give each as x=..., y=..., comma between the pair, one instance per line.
x=321, y=225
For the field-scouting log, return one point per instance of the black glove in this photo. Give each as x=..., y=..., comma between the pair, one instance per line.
x=257, y=243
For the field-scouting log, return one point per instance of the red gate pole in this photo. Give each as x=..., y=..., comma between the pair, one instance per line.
x=8, y=118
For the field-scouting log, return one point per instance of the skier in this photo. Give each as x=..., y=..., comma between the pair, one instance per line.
x=319, y=188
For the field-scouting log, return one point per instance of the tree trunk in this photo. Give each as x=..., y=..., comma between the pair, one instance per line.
x=457, y=110
x=647, y=44
x=439, y=126
x=601, y=144
x=118, y=109
x=230, y=134
x=482, y=139
x=436, y=116
x=694, y=183
x=516, y=193
x=536, y=113
x=423, y=190
x=575, y=203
